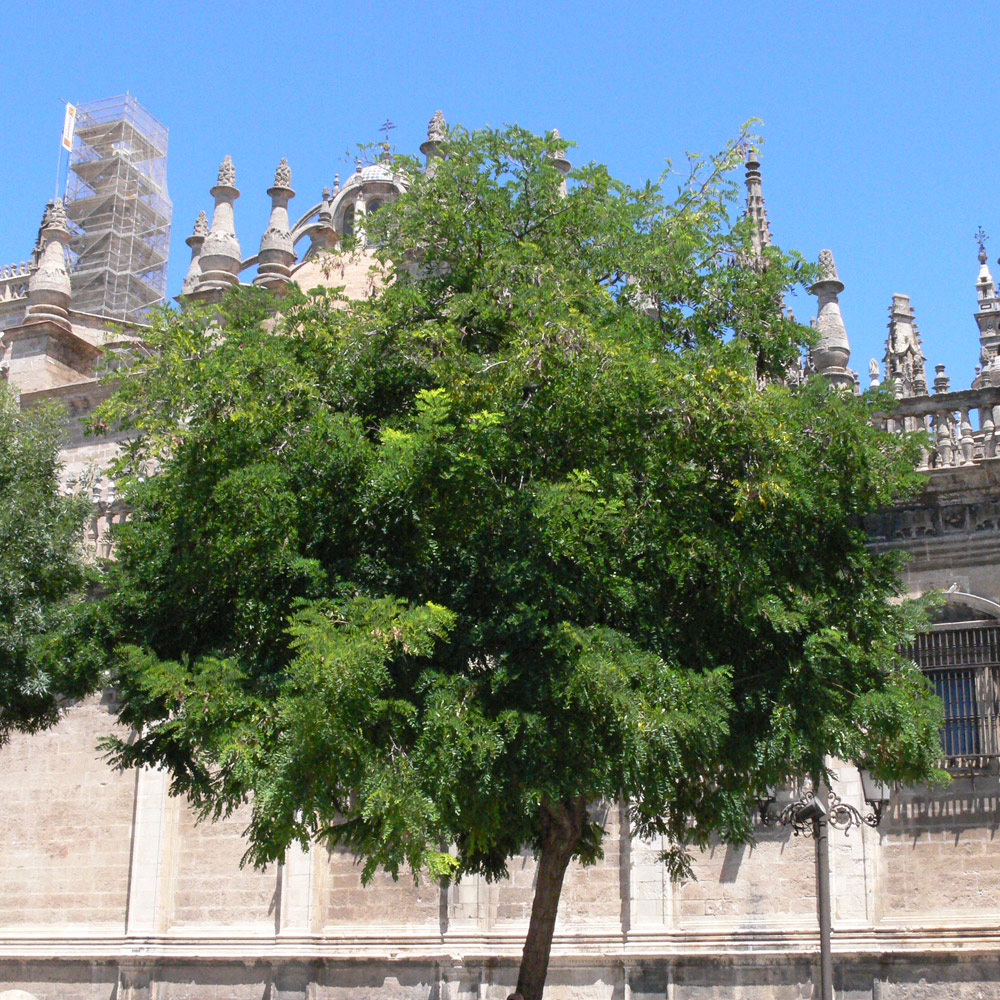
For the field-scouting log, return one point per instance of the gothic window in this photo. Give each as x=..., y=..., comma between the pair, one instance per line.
x=347, y=226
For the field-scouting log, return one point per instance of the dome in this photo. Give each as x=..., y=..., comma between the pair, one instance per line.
x=373, y=172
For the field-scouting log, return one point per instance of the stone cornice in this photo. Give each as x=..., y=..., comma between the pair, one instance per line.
x=64, y=333
x=94, y=389
x=381, y=944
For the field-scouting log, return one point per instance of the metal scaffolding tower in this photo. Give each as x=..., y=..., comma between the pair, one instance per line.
x=119, y=209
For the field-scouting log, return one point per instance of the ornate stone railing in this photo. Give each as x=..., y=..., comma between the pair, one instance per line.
x=963, y=428
x=108, y=511
x=14, y=281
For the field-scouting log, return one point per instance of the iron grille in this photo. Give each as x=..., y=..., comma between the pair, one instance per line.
x=963, y=666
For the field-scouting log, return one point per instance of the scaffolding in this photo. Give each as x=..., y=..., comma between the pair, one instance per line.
x=119, y=209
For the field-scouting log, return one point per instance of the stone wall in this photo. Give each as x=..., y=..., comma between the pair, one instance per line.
x=960, y=978
x=105, y=880
x=208, y=886
x=941, y=853
x=65, y=828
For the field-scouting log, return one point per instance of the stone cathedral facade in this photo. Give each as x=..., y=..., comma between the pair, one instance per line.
x=110, y=891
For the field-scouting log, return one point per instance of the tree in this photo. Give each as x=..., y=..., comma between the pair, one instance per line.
x=41, y=571
x=537, y=525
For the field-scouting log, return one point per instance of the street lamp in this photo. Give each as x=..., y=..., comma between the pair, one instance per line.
x=810, y=815
x=876, y=794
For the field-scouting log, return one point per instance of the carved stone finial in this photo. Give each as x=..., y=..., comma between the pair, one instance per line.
x=57, y=216
x=283, y=174
x=760, y=234
x=195, y=241
x=904, y=356
x=201, y=225
x=436, y=127
x=220, y=257
x=560, y=161
x=559, y=155
x=437, y=132
x=985, y=287
x=36, y=253
x=827, y=267
x=227, y=172
x=873, y=372
x=277, y=251
x=49, y=292
x=322, y=234
x=832, y=351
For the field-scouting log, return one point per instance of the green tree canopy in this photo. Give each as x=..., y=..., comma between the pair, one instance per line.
x=41, y=570
x=534, y=526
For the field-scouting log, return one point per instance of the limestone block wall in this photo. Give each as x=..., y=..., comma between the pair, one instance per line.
x=351, y=272
x=207, y=886
x=940, y=854
x=65, y=828
x=771, y=882
x=344, y=901
x=76, y=836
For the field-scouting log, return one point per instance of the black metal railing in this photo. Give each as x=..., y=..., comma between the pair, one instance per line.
x=962, y=664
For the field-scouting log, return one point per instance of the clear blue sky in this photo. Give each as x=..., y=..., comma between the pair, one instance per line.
x=878, y=117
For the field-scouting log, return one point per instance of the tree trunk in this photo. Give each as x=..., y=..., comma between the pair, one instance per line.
x=562, y=829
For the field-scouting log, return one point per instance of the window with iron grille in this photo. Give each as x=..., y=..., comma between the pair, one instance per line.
x=962, y=663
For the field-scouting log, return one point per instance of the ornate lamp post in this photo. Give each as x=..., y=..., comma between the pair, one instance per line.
x=812, y=814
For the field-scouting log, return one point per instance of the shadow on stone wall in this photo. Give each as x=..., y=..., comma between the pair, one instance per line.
x=966, y=805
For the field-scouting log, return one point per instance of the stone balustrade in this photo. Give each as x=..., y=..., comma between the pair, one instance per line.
x=108, y=511
x=14, y=281
x=962, y=428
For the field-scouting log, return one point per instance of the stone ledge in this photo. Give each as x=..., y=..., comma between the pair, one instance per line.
x=938, y=940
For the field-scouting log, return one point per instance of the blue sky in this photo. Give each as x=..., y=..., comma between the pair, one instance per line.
x=878, y=117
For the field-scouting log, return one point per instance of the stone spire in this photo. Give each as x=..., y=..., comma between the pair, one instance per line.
x=195, y=241
x=984, y=283
x=760, y=234
x=904, y=356
x=49, y=292
x=832, y=350
x=987, y=319
x=220, y=253
x=36, y=253
x=277, y=251
x=437, y=132
x=322, y=234
x=560, y=162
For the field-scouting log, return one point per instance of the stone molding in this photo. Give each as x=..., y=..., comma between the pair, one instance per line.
x=370, y=942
